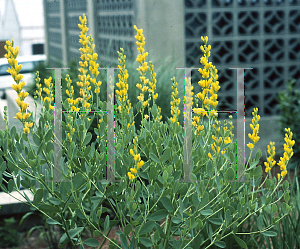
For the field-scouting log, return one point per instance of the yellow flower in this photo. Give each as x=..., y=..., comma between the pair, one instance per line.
x=210, y=156
x=137, y=157
x=131, y=152
x=227, y=140
x=134, y=171
x=140, y=164
x=250, y=145
x=131, y=176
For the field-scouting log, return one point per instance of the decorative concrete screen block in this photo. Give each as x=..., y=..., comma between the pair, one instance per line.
x=263, y=34
x=114, y=25
x=258, y=34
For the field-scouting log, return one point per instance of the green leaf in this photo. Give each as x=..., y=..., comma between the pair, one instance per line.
x=285, y=185
x=48, y=136
x=209, y=168
x=230, y=174
x=227, y=217
x=11, y=166
x=106, y=223
x=38, y=196
x=216, y=221
x=221, y=244
x=260, y=222
x=49, y=208
x=10, y=185
x=87, y=151
x=91, y=242
x=153, y=173
x=204, y=200
x=19, y=148
x=127, y=229
x=253, y=164
x=87, y=139
x=146, y=242
x=176, y=219
x=36, y=139
x=286, y=197
x=13, y=132
x=147, y=227
x=206, y=212
x=269, y=233
x=154, y=110
x=240, y=241
x=274, y=208
x=52, y=222
x=257, y=155
x=159, y=215
x=167, y=204
x=77, y=181
x=123, y=238
x=166, y=156
x=153, y=157
x=74, y=232
x=165, y=175
x=55, y=201
x=195, y=200
x=63, y=240
x=258, y=171
x=181, y=207
x=139, y=106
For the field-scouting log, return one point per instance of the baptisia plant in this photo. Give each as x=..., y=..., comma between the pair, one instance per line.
x=150, y=200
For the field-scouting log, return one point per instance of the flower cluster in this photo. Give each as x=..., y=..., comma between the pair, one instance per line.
x=175, y=102
x=138, y=163
x=288, y=152
x=227, y=139
x=49, y=91
x=85, y=52
x=14, y=70
x=211, y=85
x=70, y=93
x=255, y=127
x=122, y=84
x=188, y=100
x=217, y=141
x=152, y=88
x=270, y=160
x=143, y=69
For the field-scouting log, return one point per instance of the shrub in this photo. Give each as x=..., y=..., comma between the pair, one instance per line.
x=167, y=186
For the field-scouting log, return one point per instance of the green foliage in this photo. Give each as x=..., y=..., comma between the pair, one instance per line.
x=289, y=105
x=9, y=236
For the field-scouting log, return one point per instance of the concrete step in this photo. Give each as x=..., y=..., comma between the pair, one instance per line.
x=14, y=204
